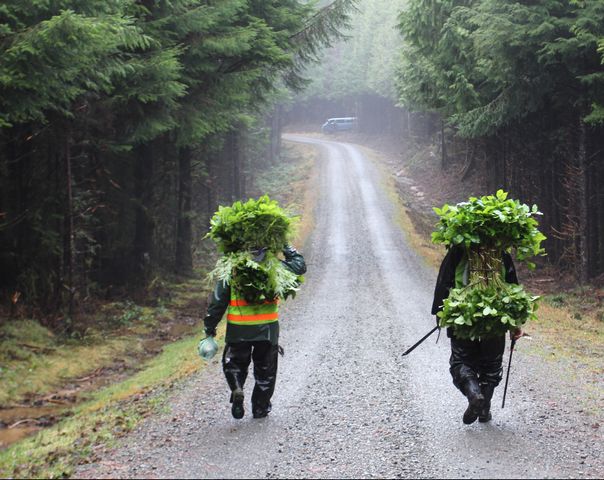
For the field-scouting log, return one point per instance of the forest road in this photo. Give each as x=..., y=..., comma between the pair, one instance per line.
x=347, y=404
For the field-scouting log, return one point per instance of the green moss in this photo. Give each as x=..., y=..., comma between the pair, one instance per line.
x=111, y=412
x=557, y=300
x=34, y=361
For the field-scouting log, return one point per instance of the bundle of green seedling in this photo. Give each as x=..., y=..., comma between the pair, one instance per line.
x=486, y=227
x=251, y=235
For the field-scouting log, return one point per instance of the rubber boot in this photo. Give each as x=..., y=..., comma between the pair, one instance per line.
x=485, y=413
x=237, y=409
x=475, y=401
x=261, y=412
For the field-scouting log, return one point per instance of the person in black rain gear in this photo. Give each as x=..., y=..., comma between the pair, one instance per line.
x=475, y=365
x=252, y=334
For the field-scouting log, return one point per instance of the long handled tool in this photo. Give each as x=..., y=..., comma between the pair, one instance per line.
x=507, y=377
x=409, y=350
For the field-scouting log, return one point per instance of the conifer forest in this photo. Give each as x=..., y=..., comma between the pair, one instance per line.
x=125, y=123
x=177, y=200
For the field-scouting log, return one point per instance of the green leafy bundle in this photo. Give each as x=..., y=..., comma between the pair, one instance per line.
x=492, y=221
x=257, y=281
x=487, y=311
x=486, y=227
x=240, y=231
x=251, y=225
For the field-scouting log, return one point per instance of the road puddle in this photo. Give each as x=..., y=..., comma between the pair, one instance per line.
x=12, y=435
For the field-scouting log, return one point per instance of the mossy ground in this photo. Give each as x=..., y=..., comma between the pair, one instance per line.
x=35, y=361
x=107, y=415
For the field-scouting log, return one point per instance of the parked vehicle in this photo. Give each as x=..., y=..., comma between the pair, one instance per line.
x=341, y=124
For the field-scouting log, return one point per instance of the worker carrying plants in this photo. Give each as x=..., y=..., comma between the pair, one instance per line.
x=250, y=282
x=477, y=296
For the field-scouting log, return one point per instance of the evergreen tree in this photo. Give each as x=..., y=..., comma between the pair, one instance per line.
x=112, y=114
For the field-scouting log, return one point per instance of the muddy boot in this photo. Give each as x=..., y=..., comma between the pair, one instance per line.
x=475, y=401
x=237, y=400
x=261, y=412
x=485, y=413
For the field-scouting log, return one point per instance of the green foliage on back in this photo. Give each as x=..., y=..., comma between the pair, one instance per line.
x=251, y=225
x=491, y=221
x=486, y=311
x=239, y=232
x=256, y=281
x=485, y=228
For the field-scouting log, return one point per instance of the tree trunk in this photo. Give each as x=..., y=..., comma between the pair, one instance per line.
x=69, y=243
x=276, y=127
x=143, y=229
x=184, y=258
x=233, y=139
x=443, y=146
x=583, y=267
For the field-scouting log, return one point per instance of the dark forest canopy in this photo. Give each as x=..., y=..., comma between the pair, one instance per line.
x=123, y=123
x=525, y=82
x=486, y=64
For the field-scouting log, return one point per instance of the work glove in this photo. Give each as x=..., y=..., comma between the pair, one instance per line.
x=516, y=334
x=258, y=254
x=210, y=332
x=289, y=252
x=207, y=348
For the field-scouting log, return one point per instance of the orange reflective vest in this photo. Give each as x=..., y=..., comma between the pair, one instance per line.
x=241, y=312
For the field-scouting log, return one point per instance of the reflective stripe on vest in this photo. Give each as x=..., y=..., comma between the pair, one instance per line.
x=241, y=312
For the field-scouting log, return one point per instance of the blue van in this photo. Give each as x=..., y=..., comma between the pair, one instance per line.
x=340, y=124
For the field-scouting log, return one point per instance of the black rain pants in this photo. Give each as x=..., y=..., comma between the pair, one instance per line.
x=236, y=360
x=479, y=360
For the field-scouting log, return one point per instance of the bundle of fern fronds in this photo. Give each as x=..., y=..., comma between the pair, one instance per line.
x=243, y=230
x=251, y=225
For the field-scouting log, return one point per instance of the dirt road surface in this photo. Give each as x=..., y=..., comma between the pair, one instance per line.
x=347, y=405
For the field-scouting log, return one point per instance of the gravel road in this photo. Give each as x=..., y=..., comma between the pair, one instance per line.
x=347, y=405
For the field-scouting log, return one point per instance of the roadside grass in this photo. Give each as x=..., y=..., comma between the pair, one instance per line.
x=579, y=338
x=109, y=414
x=35, y=363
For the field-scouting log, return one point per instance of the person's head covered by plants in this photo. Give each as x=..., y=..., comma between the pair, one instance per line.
x=251, y=235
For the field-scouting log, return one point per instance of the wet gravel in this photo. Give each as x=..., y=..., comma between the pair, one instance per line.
x=347, y=404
